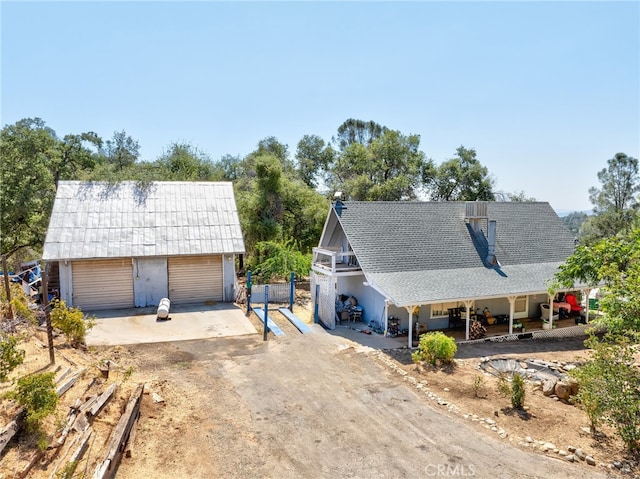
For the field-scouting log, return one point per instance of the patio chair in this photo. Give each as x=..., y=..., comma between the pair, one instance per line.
x=544, y=313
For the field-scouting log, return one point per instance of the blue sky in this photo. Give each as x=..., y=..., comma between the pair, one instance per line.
x=545, y=92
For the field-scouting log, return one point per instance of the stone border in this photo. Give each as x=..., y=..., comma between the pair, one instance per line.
x=571, y=454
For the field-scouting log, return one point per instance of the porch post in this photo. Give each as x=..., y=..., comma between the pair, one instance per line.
x=586, y=293
x=551, y=311
x=386, y=317
x=468, y=304
x=410, y=309
x=512, y=308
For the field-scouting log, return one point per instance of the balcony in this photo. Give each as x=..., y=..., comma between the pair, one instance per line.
x=335, y=262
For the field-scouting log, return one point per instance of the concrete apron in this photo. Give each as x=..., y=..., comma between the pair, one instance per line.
x=139, y=325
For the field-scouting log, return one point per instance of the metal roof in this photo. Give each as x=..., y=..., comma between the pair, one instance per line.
x=127, y=219
x=426, y=252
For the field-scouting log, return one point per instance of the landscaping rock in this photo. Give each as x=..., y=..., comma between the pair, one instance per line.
x=580, y=454
x=590, y=460
x=562, y=390
x=548, y=386
x=570, y=458
x=571, y=448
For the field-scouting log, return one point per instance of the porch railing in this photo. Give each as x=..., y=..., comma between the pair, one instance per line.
x=335, y=260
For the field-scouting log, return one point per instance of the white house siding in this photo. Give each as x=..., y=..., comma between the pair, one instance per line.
x=102, y=284
x=195, y=279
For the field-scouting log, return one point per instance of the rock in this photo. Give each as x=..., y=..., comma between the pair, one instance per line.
x=617, y=464
x=548, y=385
x=528, y=439
x=562, y=453
x=156, y=398
x=580, y=454
x=570, y=458
x=548, y=446
x=573, y=385
x=489, y=421
x=562, y=390
x=571, y=448
x=590, y=460
x=446, y=389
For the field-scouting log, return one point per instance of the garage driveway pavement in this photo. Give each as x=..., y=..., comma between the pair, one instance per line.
x=139, y=325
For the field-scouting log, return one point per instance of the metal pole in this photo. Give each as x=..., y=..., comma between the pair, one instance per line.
x=292, y=290
x=45, y=305
x=248, y=292
x=315, y=306
x=266, y=311
x=7, y=288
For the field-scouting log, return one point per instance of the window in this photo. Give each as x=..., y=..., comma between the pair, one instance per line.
x=439, y=310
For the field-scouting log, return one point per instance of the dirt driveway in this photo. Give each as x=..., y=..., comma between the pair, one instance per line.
x=307, y=406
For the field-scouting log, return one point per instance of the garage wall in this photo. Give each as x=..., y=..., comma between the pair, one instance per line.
x=195, y=279
x=102, y=284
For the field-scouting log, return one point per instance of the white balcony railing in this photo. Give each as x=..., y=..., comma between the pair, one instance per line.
x=335, y=260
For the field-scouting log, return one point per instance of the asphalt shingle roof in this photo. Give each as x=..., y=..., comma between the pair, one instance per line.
x=103, y=220
x=422, y=252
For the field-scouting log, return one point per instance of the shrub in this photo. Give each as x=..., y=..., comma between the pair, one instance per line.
x=609, y=388
x=10, y=356
x=435, y=347
x=515, y=390
x=19, y=303
x=478, y=386
x=37, y=393
x=274, y=260
x=71, y=322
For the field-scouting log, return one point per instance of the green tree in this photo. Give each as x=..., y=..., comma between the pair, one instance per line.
x=121, y=150
x=387, y=169
x=313, y=157
x=462, y=178
x=184, y=162
x=358, y=131
x=611, y=263
x=615, y=203
x=262, y=209
x=574, y=222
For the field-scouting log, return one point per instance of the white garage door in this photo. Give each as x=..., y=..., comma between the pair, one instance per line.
x=195, y=279
x=103, y=284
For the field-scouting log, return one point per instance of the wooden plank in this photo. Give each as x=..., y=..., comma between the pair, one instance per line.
x=296, y=321
x=82, y=447
x=271, y=326
x=101, y=401
x=119, y=436
x=11, y=429
x=65, y=387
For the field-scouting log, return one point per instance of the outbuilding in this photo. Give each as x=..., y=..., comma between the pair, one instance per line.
x=130, y=244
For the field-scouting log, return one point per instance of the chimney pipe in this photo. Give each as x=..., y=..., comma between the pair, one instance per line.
x=491, y=241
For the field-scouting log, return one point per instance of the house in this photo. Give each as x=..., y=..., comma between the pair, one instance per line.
x=120, y=245
x=418, y=262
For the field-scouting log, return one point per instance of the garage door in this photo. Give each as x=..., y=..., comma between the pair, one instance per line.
x=103, y=284
x=195, y=279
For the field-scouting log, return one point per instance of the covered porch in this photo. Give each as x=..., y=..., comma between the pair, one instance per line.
x=512, y=315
